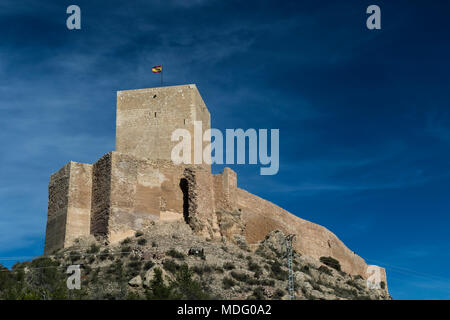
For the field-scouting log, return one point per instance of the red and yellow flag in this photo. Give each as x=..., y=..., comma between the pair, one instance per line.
x=157, y=69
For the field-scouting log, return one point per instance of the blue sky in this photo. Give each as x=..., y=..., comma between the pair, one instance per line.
x=364, y=116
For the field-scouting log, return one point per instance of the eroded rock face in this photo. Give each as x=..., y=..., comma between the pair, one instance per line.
x=273, y=245
x=230, y=223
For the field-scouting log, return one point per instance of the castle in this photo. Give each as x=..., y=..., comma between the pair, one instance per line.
x=127, y=189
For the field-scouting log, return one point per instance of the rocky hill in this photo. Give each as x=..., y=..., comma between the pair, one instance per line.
x=169, y=261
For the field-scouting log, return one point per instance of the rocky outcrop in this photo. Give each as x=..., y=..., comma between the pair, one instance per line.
x=190, y=266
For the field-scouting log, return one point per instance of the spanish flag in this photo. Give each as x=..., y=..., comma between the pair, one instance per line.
x=157, y=69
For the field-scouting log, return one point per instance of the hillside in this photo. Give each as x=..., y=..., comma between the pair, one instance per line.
x=156, y=264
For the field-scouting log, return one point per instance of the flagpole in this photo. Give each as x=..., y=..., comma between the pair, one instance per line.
x=162, y=70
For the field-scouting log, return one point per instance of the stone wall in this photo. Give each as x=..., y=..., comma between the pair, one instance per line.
x=143, y=190
x=80, y=193
x=262, y=216
x=201, y=208
x=225, y=190
x=69, y=205
x=101, y=197
x=58, y=199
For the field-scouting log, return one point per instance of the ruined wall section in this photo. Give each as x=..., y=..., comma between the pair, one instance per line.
x=79, y=209
x=69, y=206
x=262, y=216
x=201, y=207
x=146, y=119
x=58, y=199
x=229, y=217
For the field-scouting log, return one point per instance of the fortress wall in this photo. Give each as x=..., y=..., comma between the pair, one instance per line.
x=201, y=209
x=261, y=217
x=58, y=201
x=79, y=208
x=69, y=205
x=101, y=195
x=142, y=191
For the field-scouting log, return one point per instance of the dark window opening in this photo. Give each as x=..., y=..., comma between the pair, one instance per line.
x=184, y=186
x=155, y=114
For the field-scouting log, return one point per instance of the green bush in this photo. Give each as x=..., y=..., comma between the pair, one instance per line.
x=305, y=269
x=126, y=241
x=142, y=241
x=277, y=272
x=254, y=267
x=183, y=287
x=218, y=269
x=104, y=255
x=353, y=283
x=148, y=265
x=258, y=293
x=267, y=282
x=345, y=293
x=228, y=283
x=200, y=270
x=229, y=266
x=74, y=256
x=93, y=249
x=176, y=254
x=278, y=294
x=170, y=265
x=125, y=251
x=116, y=269
x=160, y=291
x=242, y=277
x=135, y=265
x=186, y=287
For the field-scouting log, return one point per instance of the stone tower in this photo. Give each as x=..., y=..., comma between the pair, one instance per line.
x=146, y=119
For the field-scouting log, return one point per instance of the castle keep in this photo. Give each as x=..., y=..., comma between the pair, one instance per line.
x=127, y=189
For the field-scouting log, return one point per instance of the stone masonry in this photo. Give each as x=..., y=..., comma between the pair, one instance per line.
x=127, y=189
